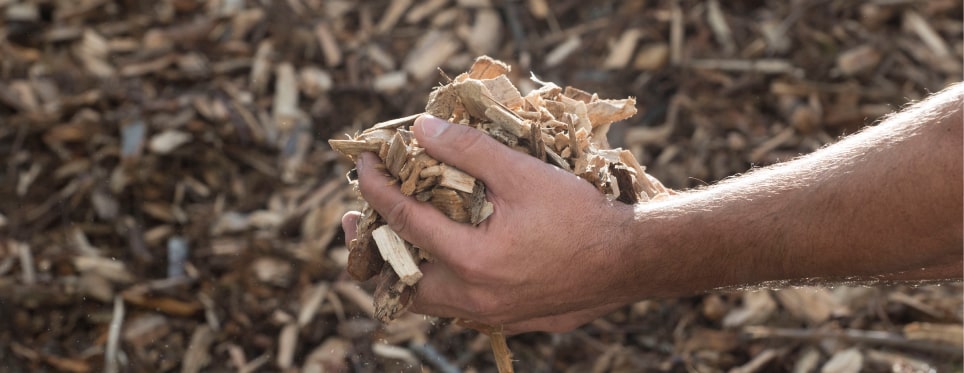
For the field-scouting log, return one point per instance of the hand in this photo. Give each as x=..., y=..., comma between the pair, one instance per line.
x=548, y=258
x=556, y=324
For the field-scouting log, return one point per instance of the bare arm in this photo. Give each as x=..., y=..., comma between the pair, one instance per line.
x=884, y=203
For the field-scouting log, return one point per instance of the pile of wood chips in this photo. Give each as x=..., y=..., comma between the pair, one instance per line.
x=168, y=201
x=564, y=127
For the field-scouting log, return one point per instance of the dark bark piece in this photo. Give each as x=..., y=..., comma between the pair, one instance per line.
x=392, y=297
x=364, y=261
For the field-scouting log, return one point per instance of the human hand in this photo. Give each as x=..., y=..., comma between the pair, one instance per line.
x=548, y=258
x=556, y=323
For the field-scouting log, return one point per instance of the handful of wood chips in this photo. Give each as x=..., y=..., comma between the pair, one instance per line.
x=563, y=127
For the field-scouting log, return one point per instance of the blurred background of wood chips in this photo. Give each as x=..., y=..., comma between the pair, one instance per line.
x=168, y=201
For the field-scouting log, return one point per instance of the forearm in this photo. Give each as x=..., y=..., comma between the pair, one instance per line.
x=886, y=200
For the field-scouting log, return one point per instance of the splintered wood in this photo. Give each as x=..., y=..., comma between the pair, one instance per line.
x=563, y=127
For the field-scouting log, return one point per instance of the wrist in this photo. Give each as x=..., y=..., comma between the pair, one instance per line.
x=700, y=241
x=656, y=256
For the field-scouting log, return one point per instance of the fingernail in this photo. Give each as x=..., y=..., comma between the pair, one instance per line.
x=432, y=126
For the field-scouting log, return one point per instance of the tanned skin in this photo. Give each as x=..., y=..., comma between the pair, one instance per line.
x=882, y=204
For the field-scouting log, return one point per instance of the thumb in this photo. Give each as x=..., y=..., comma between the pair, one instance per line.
x=348, y=225
x=472, y=151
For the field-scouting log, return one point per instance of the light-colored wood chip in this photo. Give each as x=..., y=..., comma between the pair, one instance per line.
x=622, y=51
x=430, y=52
x=198, y=354
x=952, y=334
x=857, y=60
x=395, y=252
x=396, y=8
x=846, y=361
x=486, y=32
x=454, y=178
x=329, y=46
x=287, y=342
x=563, y=51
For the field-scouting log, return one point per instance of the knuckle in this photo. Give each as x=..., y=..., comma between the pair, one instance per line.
x=399, y=217
x=473, y=269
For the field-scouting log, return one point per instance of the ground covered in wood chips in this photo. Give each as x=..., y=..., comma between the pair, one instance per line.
x=168, y=201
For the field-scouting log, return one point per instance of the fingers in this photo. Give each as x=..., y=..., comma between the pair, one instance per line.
x=563, y=323
x=416, y=222
x=348, y=223
x=437, y=290
x=474, y=152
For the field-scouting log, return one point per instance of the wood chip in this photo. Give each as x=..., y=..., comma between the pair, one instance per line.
x=952, y=334
x=312, y=303
x=330, y=356
x=165, y=142
x=485, y=33
x=757, y=307
x=98, y=97
x=391, y=16
x=562, y=51
x=862, y=58
x=285, y=108
x=329, y=46
x=652, y=56
x=107, y=268
x=113, y=337
x=622, y=51
x=390, y=82
x=846, y=361
x=917, y=23
x=287, y=342
x=431, y=51
x=395, y=252
x=198, y=355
